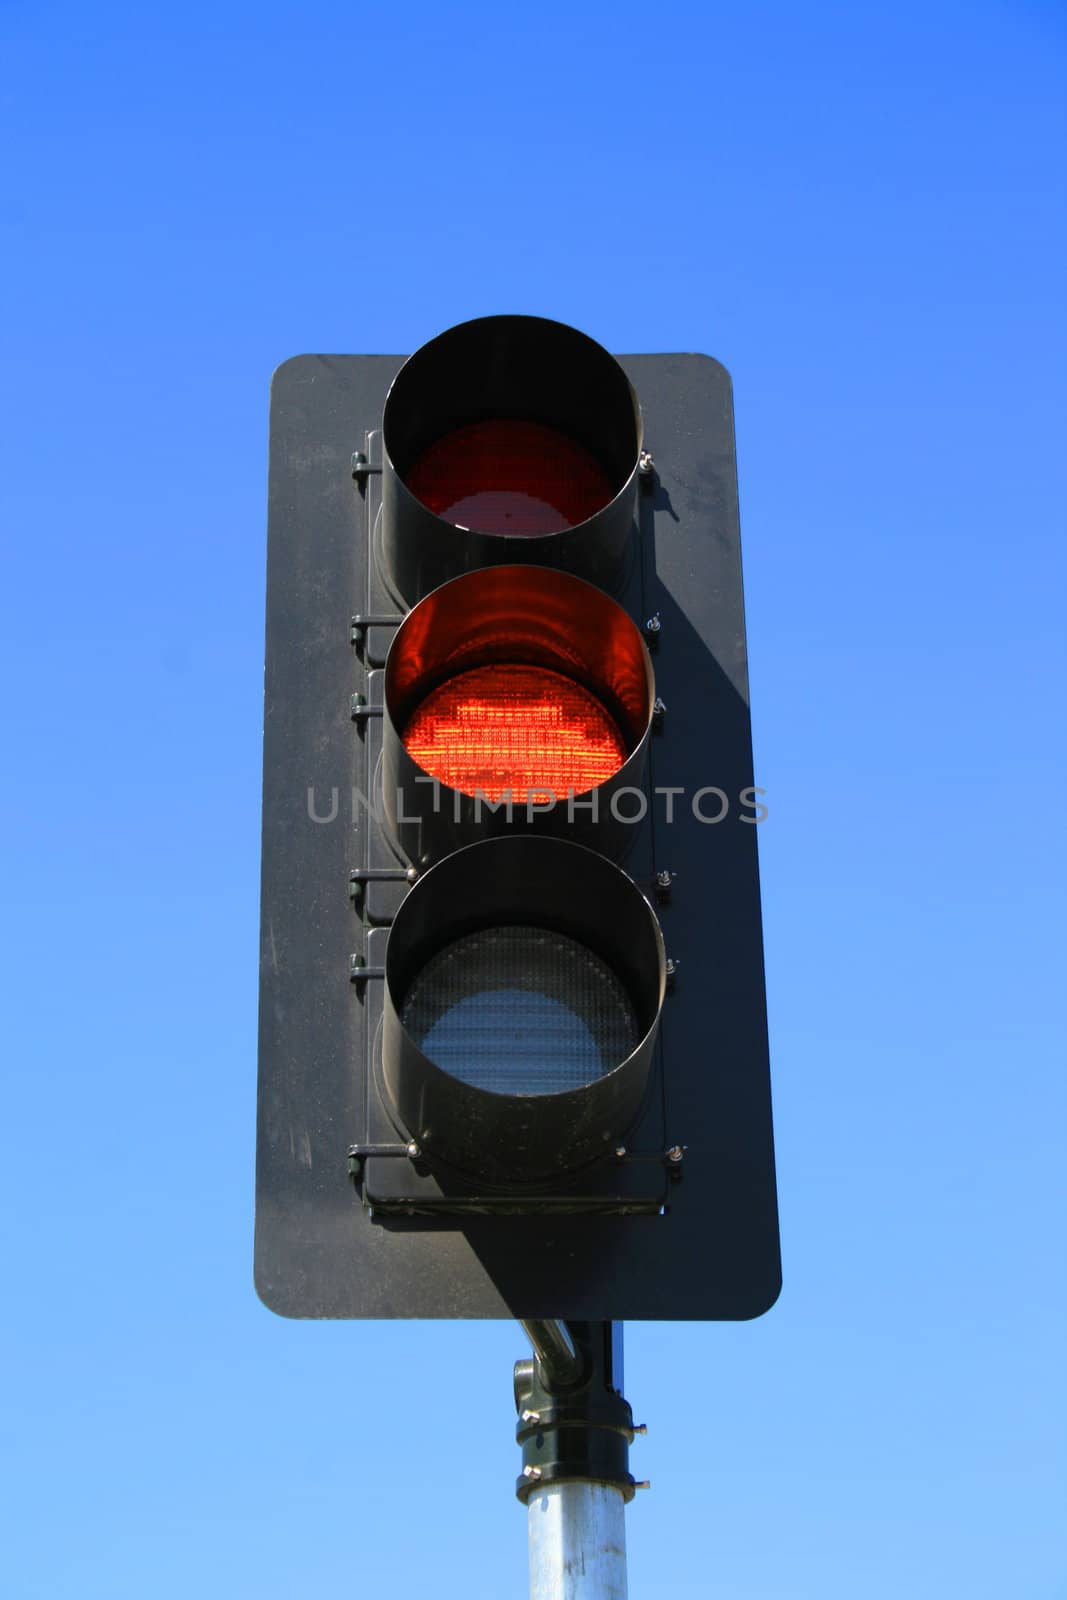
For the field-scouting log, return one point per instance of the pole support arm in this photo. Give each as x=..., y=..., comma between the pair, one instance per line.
x=557, y=1355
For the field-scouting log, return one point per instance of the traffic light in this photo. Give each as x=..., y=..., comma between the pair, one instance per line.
x=513, y=1053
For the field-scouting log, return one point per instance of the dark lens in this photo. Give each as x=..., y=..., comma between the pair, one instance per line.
x=512, y=477
x=520, y=1010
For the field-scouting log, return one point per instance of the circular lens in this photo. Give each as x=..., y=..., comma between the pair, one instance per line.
x=506, y=476
x=510, y=727
x=520, y=1010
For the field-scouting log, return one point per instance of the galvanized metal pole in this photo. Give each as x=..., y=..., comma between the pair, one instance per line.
x=577, y=1536
x=575, y=1428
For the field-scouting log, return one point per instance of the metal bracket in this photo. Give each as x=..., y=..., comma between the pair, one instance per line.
x=367, y=619
x=361, y=875
x=622, y=1155
x=578, y=1430
x=359, y=710
x=658, y=886
x=369, y=459
x=361, y=1152
x=673, y=1159
x=359, y=971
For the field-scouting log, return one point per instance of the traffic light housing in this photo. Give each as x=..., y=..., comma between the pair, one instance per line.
x=513, y=1052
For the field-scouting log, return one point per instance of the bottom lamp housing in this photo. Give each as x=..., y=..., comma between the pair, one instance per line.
x=515, y=1048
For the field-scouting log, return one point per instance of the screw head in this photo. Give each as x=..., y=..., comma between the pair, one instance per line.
x=413, y=1150
x=645, y=464
x=663, y=879
x=675, y=1154
x=653, y=625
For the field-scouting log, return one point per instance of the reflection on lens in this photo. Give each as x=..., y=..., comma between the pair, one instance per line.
x=520, y=1010
x=507, y=476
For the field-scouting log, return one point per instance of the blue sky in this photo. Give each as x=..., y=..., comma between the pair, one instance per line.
x=860, y=211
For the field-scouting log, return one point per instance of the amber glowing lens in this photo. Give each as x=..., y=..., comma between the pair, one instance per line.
x=514, y=727
x=506, y=476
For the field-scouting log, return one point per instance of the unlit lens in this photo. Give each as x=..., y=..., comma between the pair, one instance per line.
x=506, y=476
x=520, y=1010
x=513, y=727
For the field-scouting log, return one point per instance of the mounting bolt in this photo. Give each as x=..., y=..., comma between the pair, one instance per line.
x=356, y=703
x=411, y=874
x=620, y=1152
x=659, y=710
x=653, y=625
x=645, y=465
x=530, y=1416
x=640, y=1427
x=531, y=1472
x=671, y=969
x=413, y=1150
x=644, y=1484
x=360, y=464
x=676, y=1155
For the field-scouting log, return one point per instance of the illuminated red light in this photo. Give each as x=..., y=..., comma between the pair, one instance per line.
x=506, y=476
x=514, y=727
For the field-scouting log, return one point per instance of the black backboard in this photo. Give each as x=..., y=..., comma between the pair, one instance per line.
x=712, y=1250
